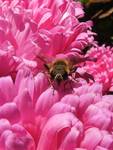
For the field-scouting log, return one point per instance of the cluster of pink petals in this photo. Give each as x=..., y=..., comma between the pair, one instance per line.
x=32, y=27
x=102, y=69
x=32, y=118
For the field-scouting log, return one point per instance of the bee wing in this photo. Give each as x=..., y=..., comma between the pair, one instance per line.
x=76, y=58
x=86, y=76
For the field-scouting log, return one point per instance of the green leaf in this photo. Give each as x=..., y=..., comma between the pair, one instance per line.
x=84, y=1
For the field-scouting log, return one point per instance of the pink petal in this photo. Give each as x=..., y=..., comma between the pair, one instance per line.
x=93, y=113
x=8, y=110
x=80, y=149
x=25, y=105
x=24, y=80
x=96, y=88
x=12, y=141
x=107, y=140
x=4, y=125
x=72, y=139
x=60, y=107
x=100, y=148
x=45, y=101
x=39, y=87
x=78, y=29
x=86, y=100
x=108, y=99
x=6, y=89
x=71, y=100
x=52, y=128
x=92, y=133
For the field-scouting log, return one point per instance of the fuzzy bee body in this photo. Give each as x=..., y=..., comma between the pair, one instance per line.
x=58, y=70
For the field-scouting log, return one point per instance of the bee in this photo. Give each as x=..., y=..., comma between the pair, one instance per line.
x=60, y=69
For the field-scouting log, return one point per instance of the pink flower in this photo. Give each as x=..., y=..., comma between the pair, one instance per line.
x=42, y=120
x=102, y=69
x=14, y=137
x=33, y=115
x=28, y=28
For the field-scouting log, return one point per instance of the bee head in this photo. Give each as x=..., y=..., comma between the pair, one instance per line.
x=58, y=70
x=58, y=78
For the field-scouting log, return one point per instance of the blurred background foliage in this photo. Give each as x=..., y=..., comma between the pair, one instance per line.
x=101, y=12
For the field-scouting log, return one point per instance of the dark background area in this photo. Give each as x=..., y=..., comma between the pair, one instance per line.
x=102, y=26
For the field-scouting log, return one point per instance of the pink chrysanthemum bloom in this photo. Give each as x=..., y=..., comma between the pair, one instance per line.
x=102, y=69
x=32, y=118
x=31, y=27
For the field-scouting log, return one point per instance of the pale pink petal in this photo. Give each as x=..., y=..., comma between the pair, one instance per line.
x=94, y=88
x=40, y=85
x=8, y=110
x=71, y=100
x=53, y=127
x=60, y=107
x=92, y=133
x=100, y=148
x=72, y=139
x=107, y=140
x=11, y=141
x=80, y=149
x=4, y=125
x=109, y=100
x=6, y=89
x=94, y=113
x=24, y=79
x=7, y=62
x=46, y=100
x=25, y=105
x=86, y=100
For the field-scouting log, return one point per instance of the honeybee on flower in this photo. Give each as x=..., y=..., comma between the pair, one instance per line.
x=61, y=67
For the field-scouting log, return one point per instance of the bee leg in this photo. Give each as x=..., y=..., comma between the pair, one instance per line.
x=65, y=86
x=70, y=82
x=73, y=70
x=48, y=78
x=73, y=77
x=86, y=76
x=53, y=90
x=51, y=83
